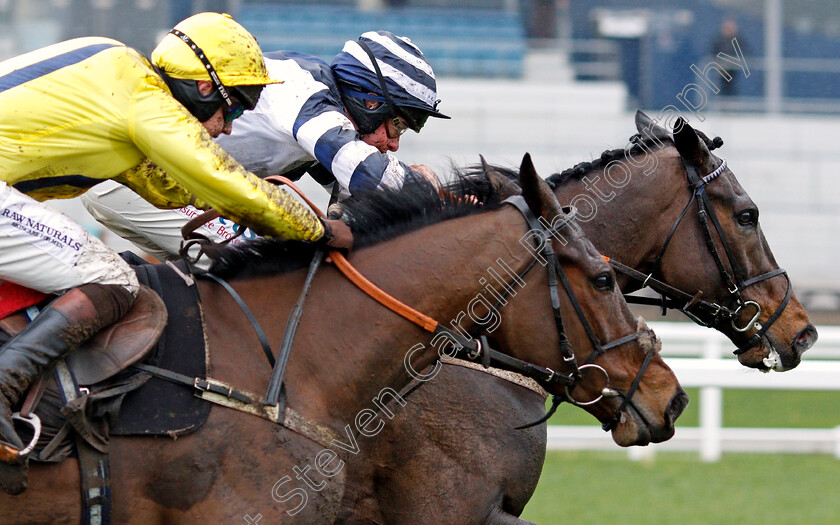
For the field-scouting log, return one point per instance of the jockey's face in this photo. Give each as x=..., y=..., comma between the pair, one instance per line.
x=379, y=139
x=216, y=124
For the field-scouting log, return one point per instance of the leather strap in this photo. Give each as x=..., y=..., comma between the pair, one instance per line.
x=247, y=311
x=224, y=395
x=94, y=466
x=275, y=384
x=420, y=319
x=196, y=222
x=34, y=395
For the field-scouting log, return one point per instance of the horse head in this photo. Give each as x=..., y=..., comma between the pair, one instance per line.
x=717, y=247
x=620, y=377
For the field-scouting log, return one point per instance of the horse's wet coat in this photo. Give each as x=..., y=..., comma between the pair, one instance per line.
x=347, y=350
x=468, y=441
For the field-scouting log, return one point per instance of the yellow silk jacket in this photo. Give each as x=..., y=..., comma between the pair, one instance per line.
x=81, y=111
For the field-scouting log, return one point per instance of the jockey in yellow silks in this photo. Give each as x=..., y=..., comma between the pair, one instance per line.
x=79, y=112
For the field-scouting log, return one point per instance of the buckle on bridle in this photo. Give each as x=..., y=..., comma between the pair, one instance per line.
x=752, y=322
x=474, y=354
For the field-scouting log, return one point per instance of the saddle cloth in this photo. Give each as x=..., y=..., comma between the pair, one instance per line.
x=160, y=407
x=130, y=402
x=14, y=297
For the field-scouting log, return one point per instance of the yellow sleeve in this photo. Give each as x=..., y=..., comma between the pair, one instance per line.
x=192, y=164
x=155, y=186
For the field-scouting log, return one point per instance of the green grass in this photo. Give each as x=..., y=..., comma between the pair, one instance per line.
x=582, y=488
x=595, y=488
x=746, y=408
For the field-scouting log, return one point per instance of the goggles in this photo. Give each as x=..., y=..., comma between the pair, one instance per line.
x=395, y=127
x=234, y=111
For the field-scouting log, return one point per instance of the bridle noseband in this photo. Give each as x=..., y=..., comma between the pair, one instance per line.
x=479, y=349
x=706, y=313
x=555, y=270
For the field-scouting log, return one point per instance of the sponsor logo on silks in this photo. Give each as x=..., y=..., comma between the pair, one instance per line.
x=45, y=229
x=229, y=225
x=220, y=228
x=39, y=229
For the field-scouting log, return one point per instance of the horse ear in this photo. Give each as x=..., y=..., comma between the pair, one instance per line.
x=643, y=121
x=647, y=126
x=689, y=145
x=502, y=185
x=536, y=191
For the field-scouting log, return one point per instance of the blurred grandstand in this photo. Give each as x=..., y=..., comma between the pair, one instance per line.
x=560, y=79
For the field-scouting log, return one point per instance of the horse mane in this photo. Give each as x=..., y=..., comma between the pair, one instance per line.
x=374, y=217
x=638, y=143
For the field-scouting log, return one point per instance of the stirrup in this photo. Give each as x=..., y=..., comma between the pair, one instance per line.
x=10, y=454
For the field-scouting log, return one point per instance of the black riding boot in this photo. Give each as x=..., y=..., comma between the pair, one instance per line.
x=61, y=327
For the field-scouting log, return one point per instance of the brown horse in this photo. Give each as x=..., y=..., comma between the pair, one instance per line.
x=352, y=355
x=629, y=212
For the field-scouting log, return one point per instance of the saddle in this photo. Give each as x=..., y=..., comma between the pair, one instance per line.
x=102, y=357
x=115, y=347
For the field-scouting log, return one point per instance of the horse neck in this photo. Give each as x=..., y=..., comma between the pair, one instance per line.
x=632, y=219
x=350, y=349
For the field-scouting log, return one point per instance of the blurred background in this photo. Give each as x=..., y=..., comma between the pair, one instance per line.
x=561, y=79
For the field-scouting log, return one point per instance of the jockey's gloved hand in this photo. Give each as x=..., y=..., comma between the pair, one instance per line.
x=335, y=211
x=337, y=234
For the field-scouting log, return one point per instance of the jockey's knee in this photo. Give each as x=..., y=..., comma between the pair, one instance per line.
x=101, y=265
x=111, y=301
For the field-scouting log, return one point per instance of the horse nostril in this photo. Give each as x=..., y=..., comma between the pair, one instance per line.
x=806, y=338
x=676, y=407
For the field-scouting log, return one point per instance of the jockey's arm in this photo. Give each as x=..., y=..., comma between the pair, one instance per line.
x=192, y=164
x=427, y=174
x=322, y=131
x=356, y=165
x=149, y=181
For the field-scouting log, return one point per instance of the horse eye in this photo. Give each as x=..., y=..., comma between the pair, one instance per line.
x=748, y=217
x=604, y=282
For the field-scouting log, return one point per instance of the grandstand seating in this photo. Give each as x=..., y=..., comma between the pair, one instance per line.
x=465, y=42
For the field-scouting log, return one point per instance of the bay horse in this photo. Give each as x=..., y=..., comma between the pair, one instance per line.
x=646, y=219
x=431, y=252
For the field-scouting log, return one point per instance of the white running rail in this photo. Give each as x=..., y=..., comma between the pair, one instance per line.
x=711, y=370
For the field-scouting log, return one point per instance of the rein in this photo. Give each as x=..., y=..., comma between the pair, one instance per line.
x=469, y=349
x=474, y=350
x=707, y=313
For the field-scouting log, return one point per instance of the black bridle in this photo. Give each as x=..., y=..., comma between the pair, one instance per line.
x=706, y=313
x=479, y=350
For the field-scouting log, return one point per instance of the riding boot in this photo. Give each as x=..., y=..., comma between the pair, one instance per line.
x=61, y=327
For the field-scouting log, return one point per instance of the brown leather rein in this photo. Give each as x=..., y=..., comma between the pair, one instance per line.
x=478, y=349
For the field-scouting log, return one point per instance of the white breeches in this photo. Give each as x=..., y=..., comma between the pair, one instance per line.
x=48, y=251
x=155, y=231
